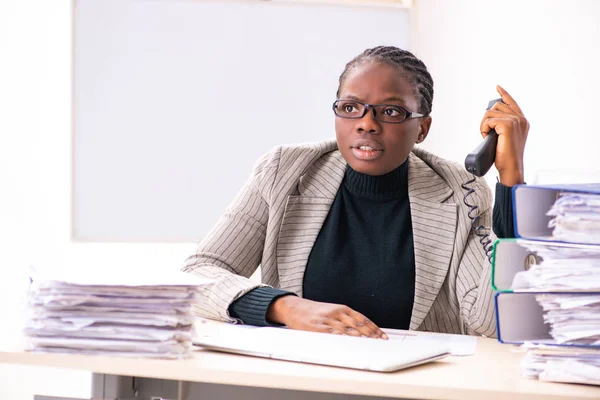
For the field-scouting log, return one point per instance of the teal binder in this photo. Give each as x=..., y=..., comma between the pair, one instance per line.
x=510, y=256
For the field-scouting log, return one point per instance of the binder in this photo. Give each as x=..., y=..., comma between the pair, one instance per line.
x=520, y=318
x=510, y=256
x=532, y=202
x=520, y=314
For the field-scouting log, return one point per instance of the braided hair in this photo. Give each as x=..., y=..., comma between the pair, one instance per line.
x=406, y=62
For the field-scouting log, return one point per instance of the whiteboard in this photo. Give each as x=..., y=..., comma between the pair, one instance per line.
x=175, y=100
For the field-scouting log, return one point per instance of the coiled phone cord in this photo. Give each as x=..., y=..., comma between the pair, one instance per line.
x=479, y=230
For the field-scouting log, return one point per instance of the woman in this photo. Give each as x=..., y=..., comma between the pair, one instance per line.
x=367, y=231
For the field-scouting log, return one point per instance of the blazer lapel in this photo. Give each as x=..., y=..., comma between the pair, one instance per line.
x=434, y=230
x=304, y=216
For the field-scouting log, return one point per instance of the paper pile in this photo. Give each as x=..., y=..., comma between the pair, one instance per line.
x=144, y=317
x=576, y=218
x=568, y=277
x=562, y=364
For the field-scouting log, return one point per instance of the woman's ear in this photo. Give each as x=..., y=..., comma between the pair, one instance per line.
x=424, y=126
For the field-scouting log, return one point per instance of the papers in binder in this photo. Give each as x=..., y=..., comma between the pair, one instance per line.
x=575, y=215
x=576, y=218
x=562, y=267
x=574, y=318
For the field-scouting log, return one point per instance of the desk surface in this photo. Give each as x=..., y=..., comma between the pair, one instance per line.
x=493, y=372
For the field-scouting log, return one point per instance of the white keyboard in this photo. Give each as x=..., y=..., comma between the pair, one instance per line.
x=320, y=348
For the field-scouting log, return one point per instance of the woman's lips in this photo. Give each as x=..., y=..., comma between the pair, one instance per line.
x=366, y=154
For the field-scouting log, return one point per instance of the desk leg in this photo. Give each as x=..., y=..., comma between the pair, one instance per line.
x=113, y=387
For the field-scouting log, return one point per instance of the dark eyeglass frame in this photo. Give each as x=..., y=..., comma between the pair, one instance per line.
x=408, y=114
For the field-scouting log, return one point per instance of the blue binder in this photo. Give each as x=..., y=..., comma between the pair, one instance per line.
x=520, y=318
x=532, y=202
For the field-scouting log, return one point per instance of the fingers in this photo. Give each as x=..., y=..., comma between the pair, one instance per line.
x=498, y=124
x=362, y=324
x=502, y=112
x=333, y=318
x=508, y=100
x=500, y=107
x=349, y=326
x=346, y=328
x=337, y=327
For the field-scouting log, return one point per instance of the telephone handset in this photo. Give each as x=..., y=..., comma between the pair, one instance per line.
x=480, y=160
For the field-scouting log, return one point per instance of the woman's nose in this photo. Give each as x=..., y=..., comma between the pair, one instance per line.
x=368, y=123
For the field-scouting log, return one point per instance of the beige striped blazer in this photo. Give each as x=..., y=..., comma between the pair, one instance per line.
x=275, y=219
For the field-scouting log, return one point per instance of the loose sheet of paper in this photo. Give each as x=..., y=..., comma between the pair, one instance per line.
x=460, y=345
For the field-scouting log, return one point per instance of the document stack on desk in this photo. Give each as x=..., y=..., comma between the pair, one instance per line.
x=562, y=364
x=553, y=303
x=107, y=315
x=568, y=291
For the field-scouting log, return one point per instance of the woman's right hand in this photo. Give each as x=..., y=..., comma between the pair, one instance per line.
x=307, y=315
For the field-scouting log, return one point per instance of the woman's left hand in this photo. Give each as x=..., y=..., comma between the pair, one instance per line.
x=512, y=127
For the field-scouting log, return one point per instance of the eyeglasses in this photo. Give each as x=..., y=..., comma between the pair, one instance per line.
x=388, y=113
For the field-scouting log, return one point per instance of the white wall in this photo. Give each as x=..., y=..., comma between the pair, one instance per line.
x=543, y=52
x=34, y=156
x=35, y=180
x=552, y=72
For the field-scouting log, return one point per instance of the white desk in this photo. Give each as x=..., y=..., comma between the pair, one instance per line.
x=492, y=373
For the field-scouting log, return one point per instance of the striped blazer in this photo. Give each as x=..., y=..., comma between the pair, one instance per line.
x=275, y=219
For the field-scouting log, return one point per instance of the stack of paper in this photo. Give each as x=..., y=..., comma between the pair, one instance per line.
x=573, y=318
x=567, y=282
x=146, y=317
x=576, y=218
x=562, y=364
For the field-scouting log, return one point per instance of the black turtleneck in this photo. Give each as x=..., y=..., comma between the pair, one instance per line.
x=363, y=256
